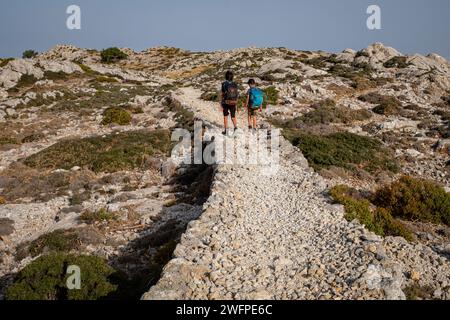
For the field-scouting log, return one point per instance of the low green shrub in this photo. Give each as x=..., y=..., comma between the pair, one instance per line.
x=415, y=200
x=397, y=62
x=271, y=96
x=4, y=62
x=378, y=221
x=46, y=277
x=59, y=241
x=328, y=113
x=26, y=80
x=112, y=55
x=389, y=226
x=387, y=105
x=105, y=79
x=343, y=149
x=114, y=152
x=55, y=76
x=362, y=53
x=116, y=115
x=101, y=215
x=376, y=98
x=28, y=54
x=388, y=108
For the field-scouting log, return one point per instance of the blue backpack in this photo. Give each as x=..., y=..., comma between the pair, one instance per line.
x=256, y=98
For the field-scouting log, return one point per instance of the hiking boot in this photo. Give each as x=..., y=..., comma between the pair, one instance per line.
x=224, y=132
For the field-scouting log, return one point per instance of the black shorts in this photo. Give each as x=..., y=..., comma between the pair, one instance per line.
x=229, y=109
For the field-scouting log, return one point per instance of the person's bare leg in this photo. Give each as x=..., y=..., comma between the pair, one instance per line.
x=225, y=123
x=254, y=122
x=249, y=121
x=234, y=122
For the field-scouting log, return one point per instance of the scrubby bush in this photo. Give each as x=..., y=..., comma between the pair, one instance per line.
x=387, y=105
x=345, y=150
x=101, y=215
x=28, y=54
x=396, y=62
x=116, y=115
x=389, y=226
x=2, y=200
x=115, y=152
x=4, y=62
x=362, y=83
x=388, y=108
x=376, y=98
x=271, y=95
x=46, y=277
x=59, y=241
x=105, y=79
x=415, y=200
x=362, y=53
x=355, y=208
x=112, y=55
x=55, y=76
x=327, y=112
x=26, y=80
x=378, y=220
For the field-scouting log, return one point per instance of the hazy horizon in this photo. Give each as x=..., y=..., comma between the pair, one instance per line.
x=410, y=26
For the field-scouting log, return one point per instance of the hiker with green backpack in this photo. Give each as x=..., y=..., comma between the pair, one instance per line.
x=255, y=101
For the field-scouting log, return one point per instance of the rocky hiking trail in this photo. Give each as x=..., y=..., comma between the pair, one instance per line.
x=278, y=236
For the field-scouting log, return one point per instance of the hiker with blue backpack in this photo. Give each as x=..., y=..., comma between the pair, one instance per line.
x=255, y=100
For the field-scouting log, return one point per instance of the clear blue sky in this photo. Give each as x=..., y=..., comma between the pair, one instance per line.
x=411, y=26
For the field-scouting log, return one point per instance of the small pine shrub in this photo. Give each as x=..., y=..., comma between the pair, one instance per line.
x=387, y=108
x=50, y=75
x=415, y=200
x=4, y=62
x=26, y=80
x=46, y=277
x=101, y=215
x=389, y=226
x=59, y=241
x=345, y=150
x=362, y=53
x=378, y=221
x=112, y=153
x=105, y=79
x=327, y=112
x=271, y=96
x=112, y=55
x=396, y=62
x=116, y=115
x=29, y=54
